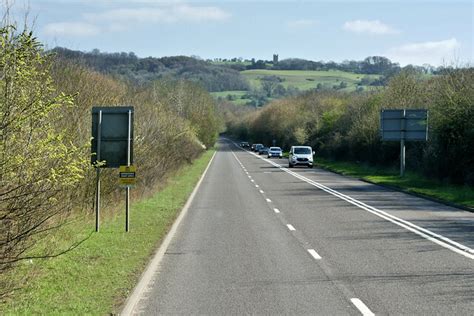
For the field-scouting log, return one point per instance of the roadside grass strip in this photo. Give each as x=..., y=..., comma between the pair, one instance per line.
x=97, y=276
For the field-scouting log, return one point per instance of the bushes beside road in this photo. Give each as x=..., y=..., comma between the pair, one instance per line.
x=45, y=121
x=345, y=126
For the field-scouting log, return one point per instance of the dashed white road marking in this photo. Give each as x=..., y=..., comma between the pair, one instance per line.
x=290, y=227
x=268, y=200
x=315, y=255
x=362, y=307
x=420, y=231
x=252, y=180
x=276, y=210
x=261, y=191
x=257, y=186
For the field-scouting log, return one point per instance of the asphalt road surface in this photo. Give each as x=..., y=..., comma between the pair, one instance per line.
x=259, y=238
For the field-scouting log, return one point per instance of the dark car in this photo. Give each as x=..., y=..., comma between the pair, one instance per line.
x=257, y=147
x=263, y=151
x=244, y=144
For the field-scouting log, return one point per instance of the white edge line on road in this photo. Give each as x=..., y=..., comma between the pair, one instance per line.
x=152, y=267
x=315, y=255
x=276, y=210
x=423, y=232
x=362, y=307
x=290, y=227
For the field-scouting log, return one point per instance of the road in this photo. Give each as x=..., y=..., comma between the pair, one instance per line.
x=262, y=239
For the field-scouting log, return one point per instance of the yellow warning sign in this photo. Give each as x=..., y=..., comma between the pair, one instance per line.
x=127, y=175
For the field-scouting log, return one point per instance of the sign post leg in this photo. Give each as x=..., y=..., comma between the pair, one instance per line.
x=127, y=190
x=402, y=157
x=97, y=202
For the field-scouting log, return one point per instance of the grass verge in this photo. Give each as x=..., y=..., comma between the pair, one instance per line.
x=412, y=182
x=96, y=277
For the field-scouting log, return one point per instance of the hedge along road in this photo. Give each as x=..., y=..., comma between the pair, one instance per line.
x=259, y=238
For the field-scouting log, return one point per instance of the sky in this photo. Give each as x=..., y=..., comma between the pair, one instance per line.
x=419, y=32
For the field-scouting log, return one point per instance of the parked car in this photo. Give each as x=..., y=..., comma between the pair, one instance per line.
x=244, y=144
x=275, y=152
x=300, y=155
x=257, y=147
x=252, y=148
x=263, y=150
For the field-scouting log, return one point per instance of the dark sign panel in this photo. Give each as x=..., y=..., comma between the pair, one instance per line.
x=404, y=124
x=114, y=124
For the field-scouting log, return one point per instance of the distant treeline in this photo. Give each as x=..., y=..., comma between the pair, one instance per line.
x=345, y=126
x=142, y=70
x=45, y=130
x=222, y=74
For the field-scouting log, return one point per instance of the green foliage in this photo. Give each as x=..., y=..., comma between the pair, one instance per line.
x=345, y=126
x=39, y=163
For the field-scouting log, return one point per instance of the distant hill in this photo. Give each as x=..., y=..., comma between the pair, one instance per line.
x=129, y=67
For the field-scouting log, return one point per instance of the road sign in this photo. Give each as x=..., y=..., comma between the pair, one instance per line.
x=411, y=125
x=110, y=135
x=127, y=175
x=403, y=125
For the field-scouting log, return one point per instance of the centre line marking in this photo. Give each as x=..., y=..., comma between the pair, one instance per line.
x=315, y=255
x=257, y=186
x=269, y=201
x=362, y=307
x=420, y=231
x=290, y=227
x=276, y=210
x=252, y=180
x=261, y=191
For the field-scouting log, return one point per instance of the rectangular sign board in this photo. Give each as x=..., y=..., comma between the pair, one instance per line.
x=127, y=175
x=112, y=124
x=411, y=125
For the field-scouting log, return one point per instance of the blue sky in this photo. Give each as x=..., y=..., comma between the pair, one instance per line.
x=417, y=32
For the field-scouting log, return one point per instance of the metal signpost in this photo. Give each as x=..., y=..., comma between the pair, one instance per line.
x=112, y=146
x=404, y=125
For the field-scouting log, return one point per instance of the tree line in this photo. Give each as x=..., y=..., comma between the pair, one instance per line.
x=45, y=129
x=346, y=126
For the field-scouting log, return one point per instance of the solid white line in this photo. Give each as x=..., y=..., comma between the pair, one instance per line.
x=261, y=191
x=362, y=307
x=276, y=210
x=269, y=201
x=152, y=267
x=313, y=253
x=420, y=231
x=290, y=227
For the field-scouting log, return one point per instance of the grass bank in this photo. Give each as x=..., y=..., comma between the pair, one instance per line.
x=96, y=277
x=412, y=182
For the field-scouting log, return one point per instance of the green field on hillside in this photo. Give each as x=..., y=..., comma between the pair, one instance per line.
x=305, y=80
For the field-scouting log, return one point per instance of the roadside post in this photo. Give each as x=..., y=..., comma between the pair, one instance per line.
x=112, y=147
x=404, y=125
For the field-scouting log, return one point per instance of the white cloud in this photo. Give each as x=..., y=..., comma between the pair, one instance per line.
x=71, y=29
x=372, y=27
x=163, y=14
x=433, y=53
x=302, y=23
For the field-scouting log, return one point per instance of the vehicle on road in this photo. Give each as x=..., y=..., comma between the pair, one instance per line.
x=244, y=144
x=257, y=147
x=263, y=151
x=275, y=152
x=300, y=155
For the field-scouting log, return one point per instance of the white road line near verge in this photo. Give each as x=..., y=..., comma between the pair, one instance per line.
x=362, y=307
x=420, y=231
x=152, y=267
x=315, y=255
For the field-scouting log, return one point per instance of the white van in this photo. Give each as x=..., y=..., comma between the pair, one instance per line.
x=300, y=155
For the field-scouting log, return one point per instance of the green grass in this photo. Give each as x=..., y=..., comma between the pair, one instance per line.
x=305, y=80
x=411, y=182
x=97, y=276
x=237, y=96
